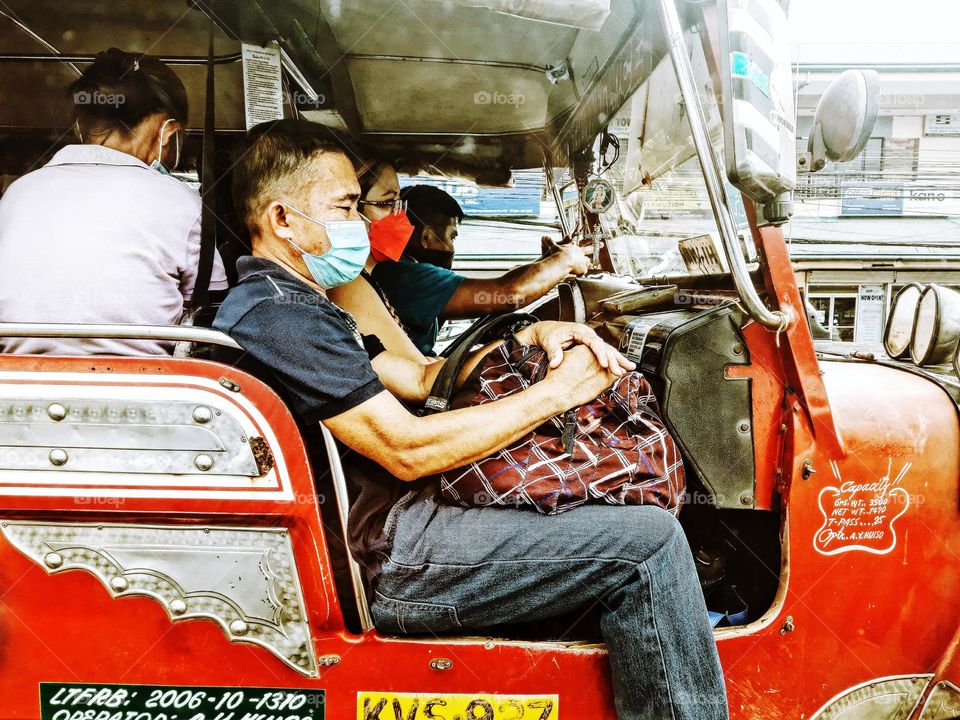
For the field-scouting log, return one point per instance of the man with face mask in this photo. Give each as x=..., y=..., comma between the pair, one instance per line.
x=425, y=291
x=102, y=233
x=431, y=566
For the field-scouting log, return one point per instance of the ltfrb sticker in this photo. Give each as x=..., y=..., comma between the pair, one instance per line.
x=94, y=701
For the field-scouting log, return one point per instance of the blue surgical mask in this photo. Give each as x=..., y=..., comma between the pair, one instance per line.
x=158, y=163
x=349, y=248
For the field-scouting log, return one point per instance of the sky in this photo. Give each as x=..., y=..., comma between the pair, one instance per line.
x=880, y=31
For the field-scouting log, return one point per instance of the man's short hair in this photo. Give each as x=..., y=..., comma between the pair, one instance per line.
x=276, y=159
x=429, y=206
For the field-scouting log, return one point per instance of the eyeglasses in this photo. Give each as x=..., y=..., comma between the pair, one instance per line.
x=394, y=206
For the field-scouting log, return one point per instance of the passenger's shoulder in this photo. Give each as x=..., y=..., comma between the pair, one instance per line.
x=275, y=301
x=178, y=189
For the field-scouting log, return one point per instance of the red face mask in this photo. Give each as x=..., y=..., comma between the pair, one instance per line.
x=389, y=236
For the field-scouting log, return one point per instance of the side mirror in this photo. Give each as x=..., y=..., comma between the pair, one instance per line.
x=899, y=329
x=845, y=116
x=936, y=330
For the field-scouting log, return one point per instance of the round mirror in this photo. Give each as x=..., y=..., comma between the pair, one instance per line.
x=845, y=117
x=936, y=329
x=899, y=329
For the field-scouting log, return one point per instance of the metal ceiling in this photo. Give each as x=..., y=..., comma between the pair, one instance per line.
x=462, y=88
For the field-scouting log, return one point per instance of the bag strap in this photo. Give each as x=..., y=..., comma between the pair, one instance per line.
x=495, y=326
x=208, y=214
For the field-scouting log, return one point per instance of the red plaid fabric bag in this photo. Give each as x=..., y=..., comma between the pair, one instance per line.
x=614, y=450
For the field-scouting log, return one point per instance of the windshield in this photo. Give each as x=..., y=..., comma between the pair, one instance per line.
x=661, y=223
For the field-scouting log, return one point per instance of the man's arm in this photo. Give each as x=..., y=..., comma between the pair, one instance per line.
x=411, y=447
x=516, y=288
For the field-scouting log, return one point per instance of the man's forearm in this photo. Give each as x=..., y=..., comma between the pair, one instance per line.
x=448, y=440
x=530, y=282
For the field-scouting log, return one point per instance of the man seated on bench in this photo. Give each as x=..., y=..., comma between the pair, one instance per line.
x=432, y=566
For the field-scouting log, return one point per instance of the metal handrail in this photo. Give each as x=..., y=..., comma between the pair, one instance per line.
x=176, y=333
x=772, y=319
x=343, y=506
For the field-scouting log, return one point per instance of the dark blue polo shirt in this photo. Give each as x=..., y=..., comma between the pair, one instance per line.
x=295, y=336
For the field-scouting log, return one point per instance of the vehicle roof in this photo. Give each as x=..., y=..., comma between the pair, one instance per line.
x=436, y=82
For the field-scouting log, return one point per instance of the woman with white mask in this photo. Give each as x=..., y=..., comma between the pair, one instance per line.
x=102, y=233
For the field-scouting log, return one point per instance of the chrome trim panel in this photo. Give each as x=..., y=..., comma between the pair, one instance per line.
x=943, y=703
x=121, y=434
x=171, y=399
x=887, y=698
x=243, y=578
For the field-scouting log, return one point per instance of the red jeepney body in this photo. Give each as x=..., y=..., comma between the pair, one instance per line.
x=857, y=608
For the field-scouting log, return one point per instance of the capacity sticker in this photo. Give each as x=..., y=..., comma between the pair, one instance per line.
x=860, y=515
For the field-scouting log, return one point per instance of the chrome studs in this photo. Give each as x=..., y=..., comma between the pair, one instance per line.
x=118, y=584
x=203, y=462
x=58, y=457
x=238, y=627
x=202, y=414
x=56, y=411
x=178, y=607
x=53, y=560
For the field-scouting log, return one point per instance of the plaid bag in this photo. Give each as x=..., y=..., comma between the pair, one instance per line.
x=615, y=449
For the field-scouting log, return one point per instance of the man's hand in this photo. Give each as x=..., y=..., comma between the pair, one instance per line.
x=576, y=258
x=579, y=378
x=555, y=337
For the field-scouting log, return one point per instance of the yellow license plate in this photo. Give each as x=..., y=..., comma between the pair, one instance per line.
x=429, y=706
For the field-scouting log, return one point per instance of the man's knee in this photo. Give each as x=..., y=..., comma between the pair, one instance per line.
x=642, y=532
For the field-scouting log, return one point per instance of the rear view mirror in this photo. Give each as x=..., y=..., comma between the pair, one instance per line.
x=899, y=329
x=936, y=329
x=845, y=116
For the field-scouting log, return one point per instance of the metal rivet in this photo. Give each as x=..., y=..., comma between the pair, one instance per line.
x=57, y=412
x=328, y=660
x=787, y=625
x=238, y=627
x=744, y=427
x=441, y=663
x=738, y=349
x=118, y=584
x=202, y=414
x=203, y=462
x=178, y=607
x=746, y=498
x=59, y=457
x=53, y=560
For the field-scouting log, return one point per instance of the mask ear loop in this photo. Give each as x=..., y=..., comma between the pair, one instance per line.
x=160, y=155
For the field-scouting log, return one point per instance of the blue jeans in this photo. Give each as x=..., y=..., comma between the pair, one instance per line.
x=452, y=567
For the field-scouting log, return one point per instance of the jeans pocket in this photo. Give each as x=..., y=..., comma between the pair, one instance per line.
x=408, y=617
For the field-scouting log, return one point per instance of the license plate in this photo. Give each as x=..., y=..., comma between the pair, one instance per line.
x=429, y=706
x=92, y=701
